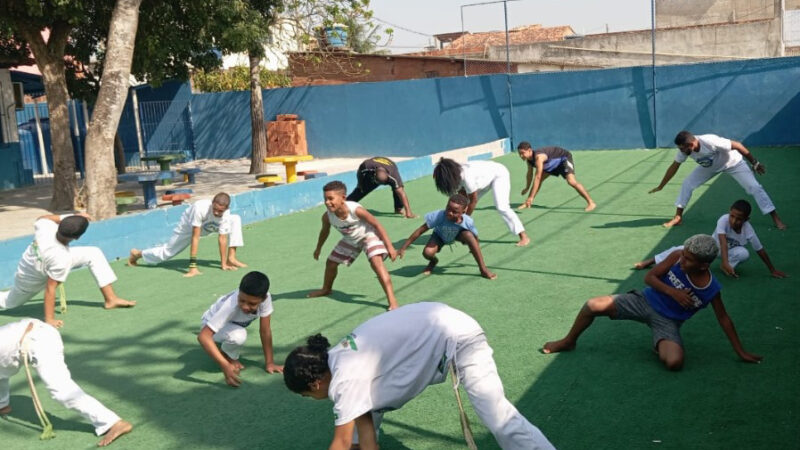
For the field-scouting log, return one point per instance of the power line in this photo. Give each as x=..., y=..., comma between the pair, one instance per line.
x=401, y=27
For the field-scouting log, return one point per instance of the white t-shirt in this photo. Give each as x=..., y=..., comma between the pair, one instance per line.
x=479, y=175
x=391, y=358
x=352, y=227
x=201, y=214
x=748, y=234
x=46, y=255
x=10, y=335
x=715, y=153
x=226, y=310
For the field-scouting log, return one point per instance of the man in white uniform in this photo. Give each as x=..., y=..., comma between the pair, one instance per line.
x=48, y=260
x=43, y=347
x=201, y=218
x=715, y=154
x=476, y=178
x=390, y=359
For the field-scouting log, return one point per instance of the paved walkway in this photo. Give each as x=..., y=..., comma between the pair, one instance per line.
x=19, y=208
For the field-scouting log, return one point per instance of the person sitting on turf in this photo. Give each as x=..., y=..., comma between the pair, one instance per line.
x=43, y=348
x=377, y=171
x=360, y=231
x=448, y=225
x=48, y=261
x=201, y=218
x=679, y=286
x=549, y=161
x=390, y=359
x=716, y=154
x=226, y=322
x=476, y=178
x=733, y=232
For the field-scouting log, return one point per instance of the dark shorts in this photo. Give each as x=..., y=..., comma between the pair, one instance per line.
x=435, y=238
x=566, y=167
x=634, y=306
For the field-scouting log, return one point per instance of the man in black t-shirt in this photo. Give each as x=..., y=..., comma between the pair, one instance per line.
x=377, y=171
x=549, y=161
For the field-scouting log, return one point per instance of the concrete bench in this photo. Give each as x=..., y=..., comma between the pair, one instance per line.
x=123, y=199
x=269, y=179
x=189, y=173
x=177, y=196
x=148, y=181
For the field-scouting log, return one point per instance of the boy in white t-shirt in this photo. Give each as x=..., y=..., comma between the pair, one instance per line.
x=48, y=261
x=733, y=232
x=226, y=322
x=715, y=154
x=201, y=218
x=391, y=358
x=361, y=231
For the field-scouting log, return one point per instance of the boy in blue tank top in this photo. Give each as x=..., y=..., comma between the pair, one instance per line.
x=678, y=287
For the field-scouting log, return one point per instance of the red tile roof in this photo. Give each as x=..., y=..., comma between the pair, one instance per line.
x=478, y=43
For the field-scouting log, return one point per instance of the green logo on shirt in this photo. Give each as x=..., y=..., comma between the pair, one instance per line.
x=350, y=341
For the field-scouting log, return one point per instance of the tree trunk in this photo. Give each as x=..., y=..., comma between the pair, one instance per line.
x=50, y=61
x=119, y=154
x=101, y=178
x=259, y=131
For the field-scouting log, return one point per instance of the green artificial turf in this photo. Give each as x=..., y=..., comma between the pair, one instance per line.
x=611, y=392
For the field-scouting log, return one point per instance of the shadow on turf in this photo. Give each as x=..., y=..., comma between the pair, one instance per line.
x=180, y=265
x=335, y=295
x=635, y=223
x=23, y=415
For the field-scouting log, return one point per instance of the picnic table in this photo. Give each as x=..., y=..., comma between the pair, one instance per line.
x=148, y=181
x=290, y=162
x=164, y=160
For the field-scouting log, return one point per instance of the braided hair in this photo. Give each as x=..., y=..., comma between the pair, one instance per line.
x=447, y=176
x=306, y=364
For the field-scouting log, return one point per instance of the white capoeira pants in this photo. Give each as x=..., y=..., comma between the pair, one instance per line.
x=477, y=373
x=501, y=189
x=740, y=172
x=30, y=280
x=232, y=337
x=178, y=242
x=736, y=255
x=47, y=355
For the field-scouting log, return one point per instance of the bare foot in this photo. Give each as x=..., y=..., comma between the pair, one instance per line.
x=523, y=240
x=392, y=306
x=5, y=410
x=134, y=257
x=590, y=206
x=558, y=346
x=674, y=222
x=429, y=268
x=319, y=293
x=193, y=272
x=489, y=275
x=236, y=262
x=117, y=302
x=116, y=430
x=780, y=225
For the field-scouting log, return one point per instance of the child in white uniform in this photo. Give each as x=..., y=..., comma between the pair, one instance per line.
x=390, y=359
x=715, y=154
x=48, y=260
x=226, y=322
x=361, y=231
x=733, y=232
x=476, y=178
x=45, y=351
x=201, y=218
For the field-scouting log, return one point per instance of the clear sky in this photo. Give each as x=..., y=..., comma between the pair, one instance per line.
x=429, y=17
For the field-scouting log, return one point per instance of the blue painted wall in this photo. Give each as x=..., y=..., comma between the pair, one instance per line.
x=12, y=168
x=757, y=101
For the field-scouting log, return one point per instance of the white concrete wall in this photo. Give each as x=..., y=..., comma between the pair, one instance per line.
x=680, y=13
x=693, y=44
x=284, y=40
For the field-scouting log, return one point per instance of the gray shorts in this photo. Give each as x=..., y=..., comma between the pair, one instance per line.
x=634, y=306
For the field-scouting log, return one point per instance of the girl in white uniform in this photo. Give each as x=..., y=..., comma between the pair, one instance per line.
x=48, y=261
x=476, y=178
x=45, y=352
x=391, y=358
x=201, y=218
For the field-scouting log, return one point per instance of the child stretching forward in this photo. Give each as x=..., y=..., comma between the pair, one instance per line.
x=226, y=322
x=679, y=286
x=733, y=232
x=360, y=231
x=448, y=225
